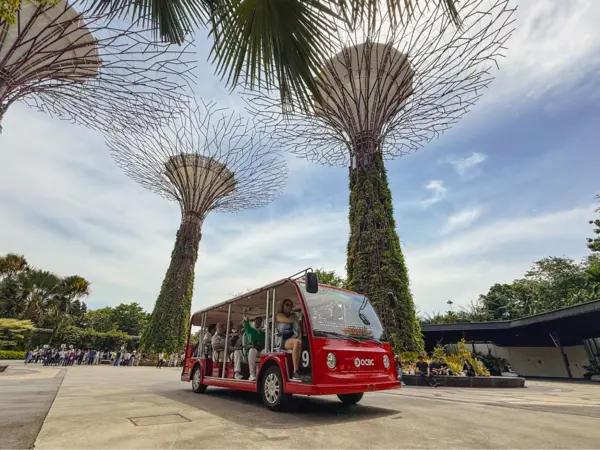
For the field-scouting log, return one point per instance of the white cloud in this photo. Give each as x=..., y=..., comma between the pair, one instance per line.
x=555, y=45
x=464, y=265
x=438, y=192
x=462, y=219
x=468, y=164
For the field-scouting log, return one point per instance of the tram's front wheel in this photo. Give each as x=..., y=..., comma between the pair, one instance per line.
x=197, y=385
x=350, y=399
x=272, y=390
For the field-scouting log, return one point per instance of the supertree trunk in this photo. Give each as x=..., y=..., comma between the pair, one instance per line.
x=375, y=264
x=168, y=325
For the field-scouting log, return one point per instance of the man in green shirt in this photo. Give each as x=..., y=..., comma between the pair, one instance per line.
x=253, y=341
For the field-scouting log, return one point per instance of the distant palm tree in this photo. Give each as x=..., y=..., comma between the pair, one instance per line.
x=276, y=42
x=11, y=264
x=37, y=289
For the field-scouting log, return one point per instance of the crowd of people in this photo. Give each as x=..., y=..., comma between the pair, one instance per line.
x=62, y=356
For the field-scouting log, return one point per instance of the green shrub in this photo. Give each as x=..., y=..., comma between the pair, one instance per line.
x=591, y=370
x=12, y=354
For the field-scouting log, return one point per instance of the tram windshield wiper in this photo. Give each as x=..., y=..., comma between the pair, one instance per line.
x=320, y=333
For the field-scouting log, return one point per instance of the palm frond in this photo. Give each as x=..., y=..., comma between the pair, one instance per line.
x=173, y=20
x=267, y=43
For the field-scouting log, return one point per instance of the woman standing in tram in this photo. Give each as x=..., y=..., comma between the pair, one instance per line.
x=289, y=339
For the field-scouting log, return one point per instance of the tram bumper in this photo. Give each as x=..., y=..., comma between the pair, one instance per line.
x=334, y=389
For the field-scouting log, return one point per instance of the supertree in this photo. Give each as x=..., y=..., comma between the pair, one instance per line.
x=208, y=160
x=384, y=93
x=78, y=64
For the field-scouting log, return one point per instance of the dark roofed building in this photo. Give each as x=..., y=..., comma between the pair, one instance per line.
x=552, y=344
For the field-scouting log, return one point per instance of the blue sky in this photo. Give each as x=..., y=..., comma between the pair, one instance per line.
x=511, y=183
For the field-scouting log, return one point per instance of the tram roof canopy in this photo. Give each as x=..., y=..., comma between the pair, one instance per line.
x=253, y=302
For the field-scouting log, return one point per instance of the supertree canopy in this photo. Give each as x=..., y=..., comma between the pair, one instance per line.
x=384, y=93
x=75, y=63
x=207, y=161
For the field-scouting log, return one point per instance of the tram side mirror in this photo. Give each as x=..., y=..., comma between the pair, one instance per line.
x=311, y=281
x=392, y=300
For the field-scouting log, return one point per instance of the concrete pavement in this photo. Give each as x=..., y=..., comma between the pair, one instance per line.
x=26, y=394
x=129, y=407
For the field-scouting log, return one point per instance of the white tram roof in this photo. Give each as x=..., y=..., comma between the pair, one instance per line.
x=254, y=301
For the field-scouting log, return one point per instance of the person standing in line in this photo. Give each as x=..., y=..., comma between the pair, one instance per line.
x=161, y=360
x=61, y=357
x=117, y=359
x=91, y=357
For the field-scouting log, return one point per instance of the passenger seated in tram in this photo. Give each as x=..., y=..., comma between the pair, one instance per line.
x=207, y=339
x=254, y=337
x=218, y=343
x=289, y=339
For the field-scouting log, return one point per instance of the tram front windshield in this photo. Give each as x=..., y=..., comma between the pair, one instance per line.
x=339, y=314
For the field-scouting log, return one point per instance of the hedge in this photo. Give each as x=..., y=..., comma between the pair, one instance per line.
x=86, y=338
x=12, y=354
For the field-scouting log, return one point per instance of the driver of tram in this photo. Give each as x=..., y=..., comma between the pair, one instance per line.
x=254, y=336
x=289, y=338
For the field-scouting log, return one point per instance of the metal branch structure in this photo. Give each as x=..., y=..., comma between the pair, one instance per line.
x=384, y=93
x=397, y=88
x=84, y=66
x=207, y=160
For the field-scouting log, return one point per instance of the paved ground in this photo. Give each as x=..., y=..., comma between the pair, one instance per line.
x=25, y=398
x=108, y=407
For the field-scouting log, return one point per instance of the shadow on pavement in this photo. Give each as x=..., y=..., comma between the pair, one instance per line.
x=247, y=408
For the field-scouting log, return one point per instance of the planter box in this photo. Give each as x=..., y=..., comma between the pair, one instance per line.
x=471, y=382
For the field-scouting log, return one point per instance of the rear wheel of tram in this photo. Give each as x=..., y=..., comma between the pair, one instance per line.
x=197, y=385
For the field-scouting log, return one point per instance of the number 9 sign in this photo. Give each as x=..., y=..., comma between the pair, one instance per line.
x=305, y=359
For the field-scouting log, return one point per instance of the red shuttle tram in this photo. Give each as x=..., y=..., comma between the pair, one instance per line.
x=310, y=339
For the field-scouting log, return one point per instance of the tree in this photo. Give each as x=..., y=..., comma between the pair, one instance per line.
x=330, y=278
x=560, y=282
x=11, y=265
x=100, y=320
x=375, y=263
x=594, y=243
x=592, y=273
x=41, y=296
x=130, y=318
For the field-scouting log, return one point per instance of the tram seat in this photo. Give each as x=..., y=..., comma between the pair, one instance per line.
x=218, y=356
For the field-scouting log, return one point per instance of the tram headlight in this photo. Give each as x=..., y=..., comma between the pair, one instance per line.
x=386, y=361
x=331, y=361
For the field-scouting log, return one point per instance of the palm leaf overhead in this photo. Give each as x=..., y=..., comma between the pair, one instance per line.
x=267, y=43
